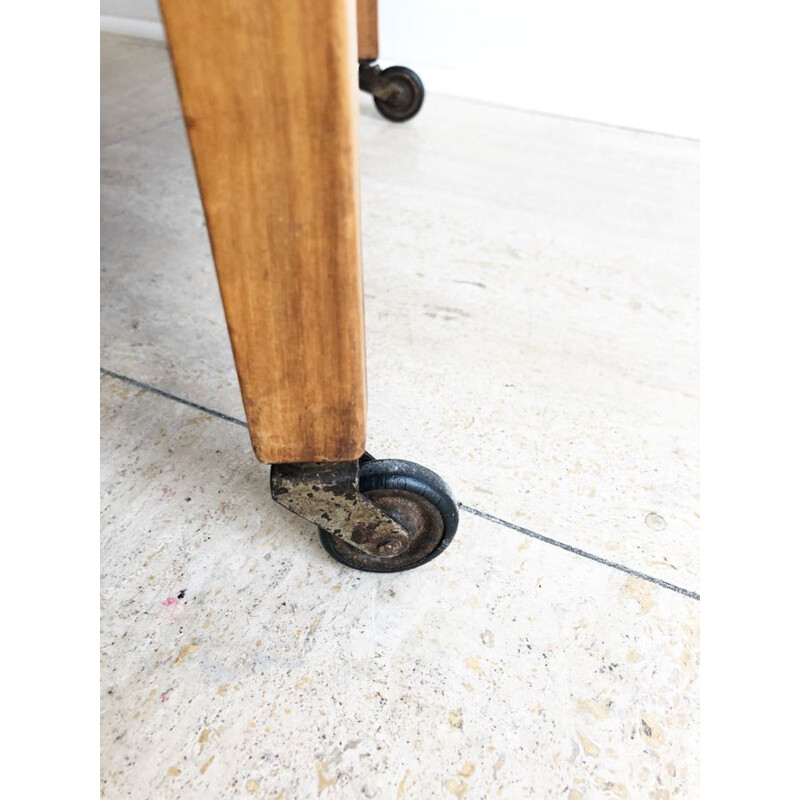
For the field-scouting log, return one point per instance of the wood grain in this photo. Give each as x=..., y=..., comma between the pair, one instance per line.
x=268, y=89
x=367, y=30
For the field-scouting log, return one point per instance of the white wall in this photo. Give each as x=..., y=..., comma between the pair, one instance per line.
x=633, y=63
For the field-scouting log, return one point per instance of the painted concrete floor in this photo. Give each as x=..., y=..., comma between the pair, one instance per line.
x=532, y=318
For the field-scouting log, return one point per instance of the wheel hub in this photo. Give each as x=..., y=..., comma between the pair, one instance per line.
x=420, y=519
x=400, y=96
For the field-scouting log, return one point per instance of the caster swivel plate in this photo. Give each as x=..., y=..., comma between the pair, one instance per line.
x=398, y=91
x=373, y=515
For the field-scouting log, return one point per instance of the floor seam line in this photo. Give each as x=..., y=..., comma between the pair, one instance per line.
x=578, y=552
x=148, y=388
x=474, y=511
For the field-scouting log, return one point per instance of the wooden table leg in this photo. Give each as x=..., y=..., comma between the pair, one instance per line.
x=367, y=30
x=269, y=97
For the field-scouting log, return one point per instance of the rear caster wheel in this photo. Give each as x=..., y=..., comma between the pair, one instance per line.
x=406, y=101
x=414, y=497
x=397, y=91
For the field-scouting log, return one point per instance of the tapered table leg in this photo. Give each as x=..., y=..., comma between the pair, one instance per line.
x=367, y=30
x=269, y=99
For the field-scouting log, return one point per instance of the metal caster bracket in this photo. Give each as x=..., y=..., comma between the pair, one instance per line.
x=328, y=495
x=371, y=81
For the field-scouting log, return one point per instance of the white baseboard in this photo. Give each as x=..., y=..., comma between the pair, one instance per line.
x=140, y=28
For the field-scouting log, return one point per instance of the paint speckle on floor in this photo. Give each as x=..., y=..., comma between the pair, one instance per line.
x=598, y=709
x=206, y=765
x=589, y=747
x=185, y=651
x=639, y=590
x=474, y=664
x=324, y=780
x=458, y=788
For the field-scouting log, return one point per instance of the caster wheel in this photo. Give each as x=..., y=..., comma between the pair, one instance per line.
x=407, y=98
x=412, y=496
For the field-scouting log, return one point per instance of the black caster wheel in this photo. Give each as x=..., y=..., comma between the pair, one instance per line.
x=406, y=99
x=414, y=497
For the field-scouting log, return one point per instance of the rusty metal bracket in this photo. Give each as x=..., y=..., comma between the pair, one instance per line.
x=371, y=81
x=328, y=495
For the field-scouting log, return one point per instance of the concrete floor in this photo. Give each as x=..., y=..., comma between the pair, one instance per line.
x=532, y=319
